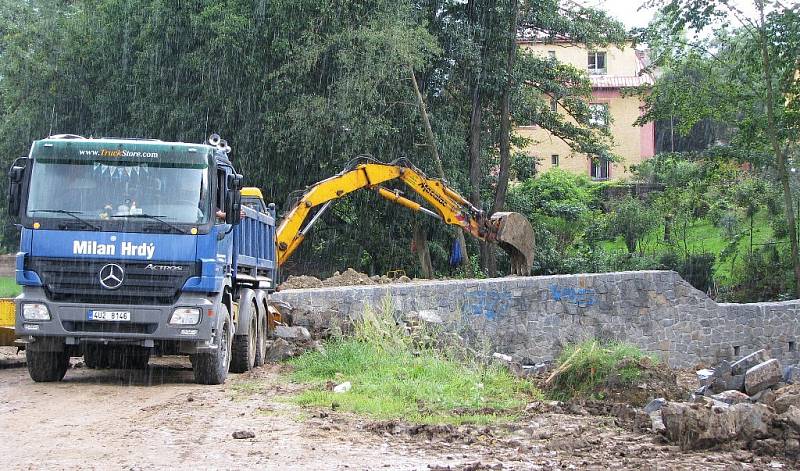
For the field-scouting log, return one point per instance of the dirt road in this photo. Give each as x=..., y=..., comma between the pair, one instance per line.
x=112, y=419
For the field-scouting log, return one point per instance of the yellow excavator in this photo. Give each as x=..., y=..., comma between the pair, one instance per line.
x=511, y=231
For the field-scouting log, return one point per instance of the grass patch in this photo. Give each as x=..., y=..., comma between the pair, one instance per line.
x=587, y=368
x=9, y=287
x=393, y=380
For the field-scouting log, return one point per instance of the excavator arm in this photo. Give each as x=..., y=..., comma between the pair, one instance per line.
x=511, y=230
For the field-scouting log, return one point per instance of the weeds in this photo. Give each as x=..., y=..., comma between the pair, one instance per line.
x=586, y=368
x=394, y=377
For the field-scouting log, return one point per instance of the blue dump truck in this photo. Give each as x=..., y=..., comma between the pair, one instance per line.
x=131, y=247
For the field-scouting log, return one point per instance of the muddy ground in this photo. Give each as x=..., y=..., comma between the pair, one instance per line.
x=102, y=419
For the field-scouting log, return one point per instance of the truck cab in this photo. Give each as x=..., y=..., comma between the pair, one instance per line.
x=130, y=247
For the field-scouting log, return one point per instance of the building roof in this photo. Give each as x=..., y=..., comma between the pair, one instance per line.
x=616, y=81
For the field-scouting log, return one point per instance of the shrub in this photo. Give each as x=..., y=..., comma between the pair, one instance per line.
x=631, y=219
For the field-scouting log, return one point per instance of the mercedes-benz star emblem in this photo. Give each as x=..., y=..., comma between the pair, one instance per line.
x=111, y=276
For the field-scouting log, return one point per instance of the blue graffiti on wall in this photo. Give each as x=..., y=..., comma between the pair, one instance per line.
x=491, y=304
x=583, y=297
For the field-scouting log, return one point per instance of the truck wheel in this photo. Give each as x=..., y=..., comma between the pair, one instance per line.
x=244, y=349
x=212, y=368
x=46, y=367
x=95, y=356
x=261, y=344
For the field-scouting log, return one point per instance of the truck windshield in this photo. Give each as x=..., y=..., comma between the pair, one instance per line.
x=97, y=190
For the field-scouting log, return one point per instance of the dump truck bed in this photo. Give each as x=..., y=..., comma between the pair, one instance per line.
x=254, y=247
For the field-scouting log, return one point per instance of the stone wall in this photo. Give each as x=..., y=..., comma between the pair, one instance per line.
x=534, y=317
x=8, y=264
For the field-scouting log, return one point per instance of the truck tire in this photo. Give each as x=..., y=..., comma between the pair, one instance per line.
x=46, y=367
x=261, y=344
x=212, y=368
x=244, y=348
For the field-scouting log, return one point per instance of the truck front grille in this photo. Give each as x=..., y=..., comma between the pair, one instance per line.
x=109, y=327
x=71, y=280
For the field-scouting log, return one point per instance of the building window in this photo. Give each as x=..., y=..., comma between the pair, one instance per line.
x=551, y=54
x=597, y=63
x=599, y=168
x=553, y=104
x=598, y=114
x=554, y=160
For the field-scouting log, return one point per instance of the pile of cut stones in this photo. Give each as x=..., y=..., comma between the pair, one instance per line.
x=751, y=378
x=753, y=402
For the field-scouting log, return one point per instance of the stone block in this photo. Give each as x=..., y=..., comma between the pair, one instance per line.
x=735, y=383
x=655, y=405
x=742, y=365
x=791, y=374
x=694, y=426
x=762, y=376
x=705, y=376
x=791, y=417
x=731, y=397
x=766, y=397
x=279, y=350
x=786, y=397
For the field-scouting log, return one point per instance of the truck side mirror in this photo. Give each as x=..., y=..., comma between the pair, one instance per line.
x=233, y=210
x=233, y=199
x=15, y=176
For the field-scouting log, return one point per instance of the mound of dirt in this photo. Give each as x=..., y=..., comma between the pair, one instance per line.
x=349, y=278
x=652, y=381
x=301, y=282
x=655, y=380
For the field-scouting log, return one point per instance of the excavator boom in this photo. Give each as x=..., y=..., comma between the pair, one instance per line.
x=511, y=231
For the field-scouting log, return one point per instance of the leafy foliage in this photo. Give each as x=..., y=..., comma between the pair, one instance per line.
x=631, y=219
x=298, y=88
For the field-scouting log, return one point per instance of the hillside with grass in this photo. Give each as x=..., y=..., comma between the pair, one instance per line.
x=719, y=224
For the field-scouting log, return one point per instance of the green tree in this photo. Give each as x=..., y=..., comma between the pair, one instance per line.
x=632, y=219
x=739, y=77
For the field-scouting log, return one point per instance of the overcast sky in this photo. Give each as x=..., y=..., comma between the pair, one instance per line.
x=627, y=10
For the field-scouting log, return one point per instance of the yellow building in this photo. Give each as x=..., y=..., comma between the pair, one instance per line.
x=610, y=69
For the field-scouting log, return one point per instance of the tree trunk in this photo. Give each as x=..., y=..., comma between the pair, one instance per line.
x=427, y=124
x=505, y=115
x=474, y=151
x=421, y=244
x=779, y=155
x=474, y=154
x=505, y=128
x=435, y=153
x=478, y=14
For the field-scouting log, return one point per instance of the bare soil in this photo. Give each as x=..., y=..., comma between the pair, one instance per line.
x=157, y=418
x=350, y=277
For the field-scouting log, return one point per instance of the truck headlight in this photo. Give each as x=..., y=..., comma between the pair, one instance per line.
x=185, y=316
x=35, y=312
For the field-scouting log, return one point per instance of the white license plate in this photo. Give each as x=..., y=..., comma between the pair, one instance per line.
x=112, y=316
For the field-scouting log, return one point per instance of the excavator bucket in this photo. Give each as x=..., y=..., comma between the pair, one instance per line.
x=515, y=236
